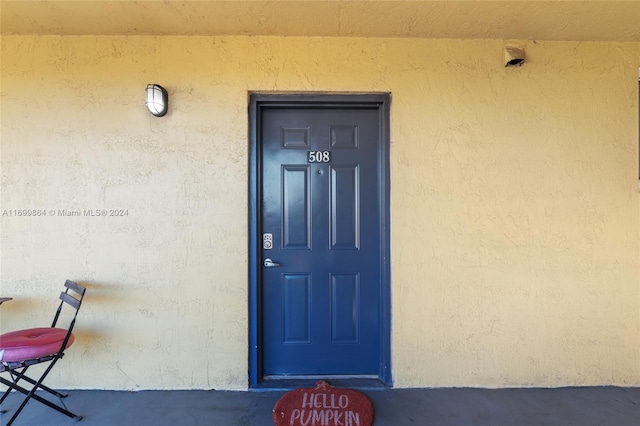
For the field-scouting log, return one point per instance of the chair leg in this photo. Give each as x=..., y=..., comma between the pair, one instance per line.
x=31, y=394
x=5, y=395
x=11, y=373
x=20, y=375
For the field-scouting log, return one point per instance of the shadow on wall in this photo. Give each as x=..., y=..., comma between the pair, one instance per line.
x=114, y=315
x=29, y=311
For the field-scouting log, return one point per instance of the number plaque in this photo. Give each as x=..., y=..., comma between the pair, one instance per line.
x=319, y=157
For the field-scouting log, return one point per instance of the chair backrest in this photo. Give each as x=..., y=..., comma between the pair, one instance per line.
x=72, y=296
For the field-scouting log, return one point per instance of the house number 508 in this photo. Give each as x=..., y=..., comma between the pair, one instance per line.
x=319, y=157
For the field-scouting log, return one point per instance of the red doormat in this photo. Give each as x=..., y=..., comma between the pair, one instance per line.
x=323, y=406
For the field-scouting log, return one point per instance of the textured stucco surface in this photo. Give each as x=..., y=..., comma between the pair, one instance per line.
x=609, y=20
x=514, y=203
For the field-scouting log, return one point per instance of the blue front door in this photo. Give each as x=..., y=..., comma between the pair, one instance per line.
x=321, y=265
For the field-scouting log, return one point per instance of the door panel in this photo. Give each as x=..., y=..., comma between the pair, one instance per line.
x=345, y=308
x=296, y=222
x=321, y=309
x=296, y=308
x=345, y=211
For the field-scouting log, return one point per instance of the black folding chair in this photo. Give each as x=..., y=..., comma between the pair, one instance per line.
x=23, y=348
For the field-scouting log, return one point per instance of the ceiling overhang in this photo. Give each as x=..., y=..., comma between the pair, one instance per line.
x=529, y=20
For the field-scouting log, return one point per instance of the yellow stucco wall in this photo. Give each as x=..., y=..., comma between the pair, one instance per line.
x=514, y=203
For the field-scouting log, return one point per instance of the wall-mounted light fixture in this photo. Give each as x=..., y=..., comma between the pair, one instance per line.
x=157, y=100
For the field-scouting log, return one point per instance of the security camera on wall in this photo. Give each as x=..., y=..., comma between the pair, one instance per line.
x=513, y=56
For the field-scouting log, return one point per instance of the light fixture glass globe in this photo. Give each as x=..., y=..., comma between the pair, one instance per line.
x=157, y=100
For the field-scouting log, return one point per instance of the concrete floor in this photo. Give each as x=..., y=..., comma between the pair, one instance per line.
x=393, y=407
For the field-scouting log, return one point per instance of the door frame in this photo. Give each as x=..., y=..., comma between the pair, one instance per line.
x=260, y=100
